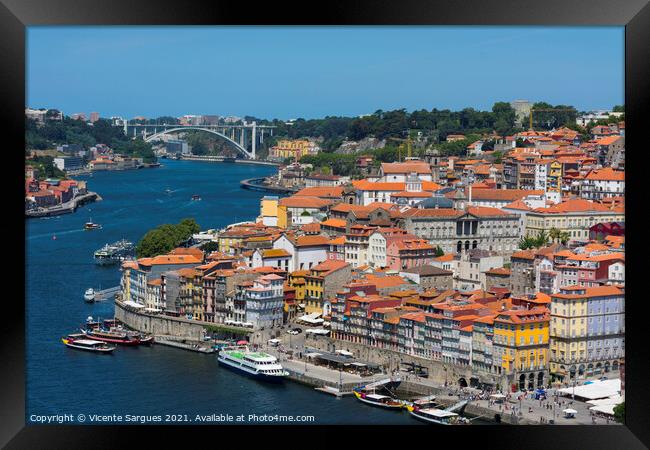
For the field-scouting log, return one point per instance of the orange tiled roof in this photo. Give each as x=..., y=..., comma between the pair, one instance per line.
x=322, y=192
x=406, y=167
x=296, y=201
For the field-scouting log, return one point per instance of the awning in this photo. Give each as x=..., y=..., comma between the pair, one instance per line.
x=498, y=396
x=133, y=304
x=312, y=355
x=344, y=352
x=595, y=390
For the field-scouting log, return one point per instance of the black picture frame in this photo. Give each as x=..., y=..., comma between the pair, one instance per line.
x=15, y=15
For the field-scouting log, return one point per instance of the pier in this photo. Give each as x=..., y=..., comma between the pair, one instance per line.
x=106, y=293
x=64, y=208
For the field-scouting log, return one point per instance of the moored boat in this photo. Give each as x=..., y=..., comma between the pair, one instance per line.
x=196, y=197
x=437, y=416
x=89, y=295
x=112, y=337
x=78, y=342
x=383, y=401
x=259, y=365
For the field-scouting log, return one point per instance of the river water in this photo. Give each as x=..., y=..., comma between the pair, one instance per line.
x=156, y=380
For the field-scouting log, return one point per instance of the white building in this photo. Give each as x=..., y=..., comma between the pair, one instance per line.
x=469, y=268
x=306, y=251
x=616, y=273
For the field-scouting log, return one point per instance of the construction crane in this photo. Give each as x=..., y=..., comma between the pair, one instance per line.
x=530, y=116
x=406, y=141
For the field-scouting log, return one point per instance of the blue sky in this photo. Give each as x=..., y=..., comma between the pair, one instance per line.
x=310, y=72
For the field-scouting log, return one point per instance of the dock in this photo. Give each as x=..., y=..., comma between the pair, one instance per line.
x=333, y=391
x=106, y=293
x=194, y=347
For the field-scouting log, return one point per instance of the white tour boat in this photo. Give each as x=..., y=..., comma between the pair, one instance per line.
x=254, y=364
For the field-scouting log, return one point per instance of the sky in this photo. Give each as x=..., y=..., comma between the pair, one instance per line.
x=312, y=72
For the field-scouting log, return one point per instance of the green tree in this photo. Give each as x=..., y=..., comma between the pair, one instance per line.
x=619, y=412
x=165, y=238
x=439, y=251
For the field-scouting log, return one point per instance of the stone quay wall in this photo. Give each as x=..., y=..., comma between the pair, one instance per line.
x=159, y=325
x=390, y=360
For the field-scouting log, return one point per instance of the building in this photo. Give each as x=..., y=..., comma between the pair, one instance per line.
x=498, y=277
x=429, y=277
x=150, y=268
x=522, y=110
x=398, y=172
x=306, y=251
x=603, y=183
x=474, y=227
x=574, y=216
x=269, y=210
x=66, y=163
x=321, y=180
x=175, y=146
x=470, y=267
x=296, y=210
x=94, y=117
x=260, y=302
x=295, y=149
x=407, y=253
x=520, y=347
x=321, y=284
x=587, y=331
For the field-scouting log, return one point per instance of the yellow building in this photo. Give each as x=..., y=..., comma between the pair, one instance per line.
x=521, y=346
x=269, y=210
x=295, y=149
x=587, y=331
x=297, y=282
x=574, y=216
x=554, y=177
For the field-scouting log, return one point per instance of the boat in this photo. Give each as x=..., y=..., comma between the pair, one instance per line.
x=91, y=226
x=111, y=336
x=259, y=365
x=89, y=295
x=437, y=416
x=114, y=253
x=383, y=401
x=78, y=342
x=431, y=414
x=196, y=197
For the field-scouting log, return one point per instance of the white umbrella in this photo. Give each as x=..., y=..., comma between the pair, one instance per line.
x=569, y=411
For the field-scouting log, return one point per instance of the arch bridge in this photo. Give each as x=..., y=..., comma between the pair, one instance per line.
x=244, y=138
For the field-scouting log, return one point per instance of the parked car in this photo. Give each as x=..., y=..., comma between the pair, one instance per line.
x=294, y=332
x=298, y=329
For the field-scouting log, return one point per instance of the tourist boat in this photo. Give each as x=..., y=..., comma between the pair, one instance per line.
x=259, y=365
x=78, y=342
x=89, y=295
x=113, y=253
x=196, y=197
x=112, y=337
x=383, y=401
x=91, y=226
x=437, y=416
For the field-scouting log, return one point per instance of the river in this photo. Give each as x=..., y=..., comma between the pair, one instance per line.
x=156, y=380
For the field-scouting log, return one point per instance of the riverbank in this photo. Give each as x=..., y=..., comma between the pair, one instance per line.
x=64, y=208
x=257, y=184
x=224, y=159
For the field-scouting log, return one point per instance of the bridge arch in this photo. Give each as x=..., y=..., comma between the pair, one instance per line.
x=239, y=148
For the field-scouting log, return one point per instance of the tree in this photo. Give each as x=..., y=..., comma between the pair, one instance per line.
x=439, y=251
x=619, y=108
x=619, y=412
x=165, y=238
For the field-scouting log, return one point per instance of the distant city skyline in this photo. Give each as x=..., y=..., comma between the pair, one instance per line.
x=313, y=72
